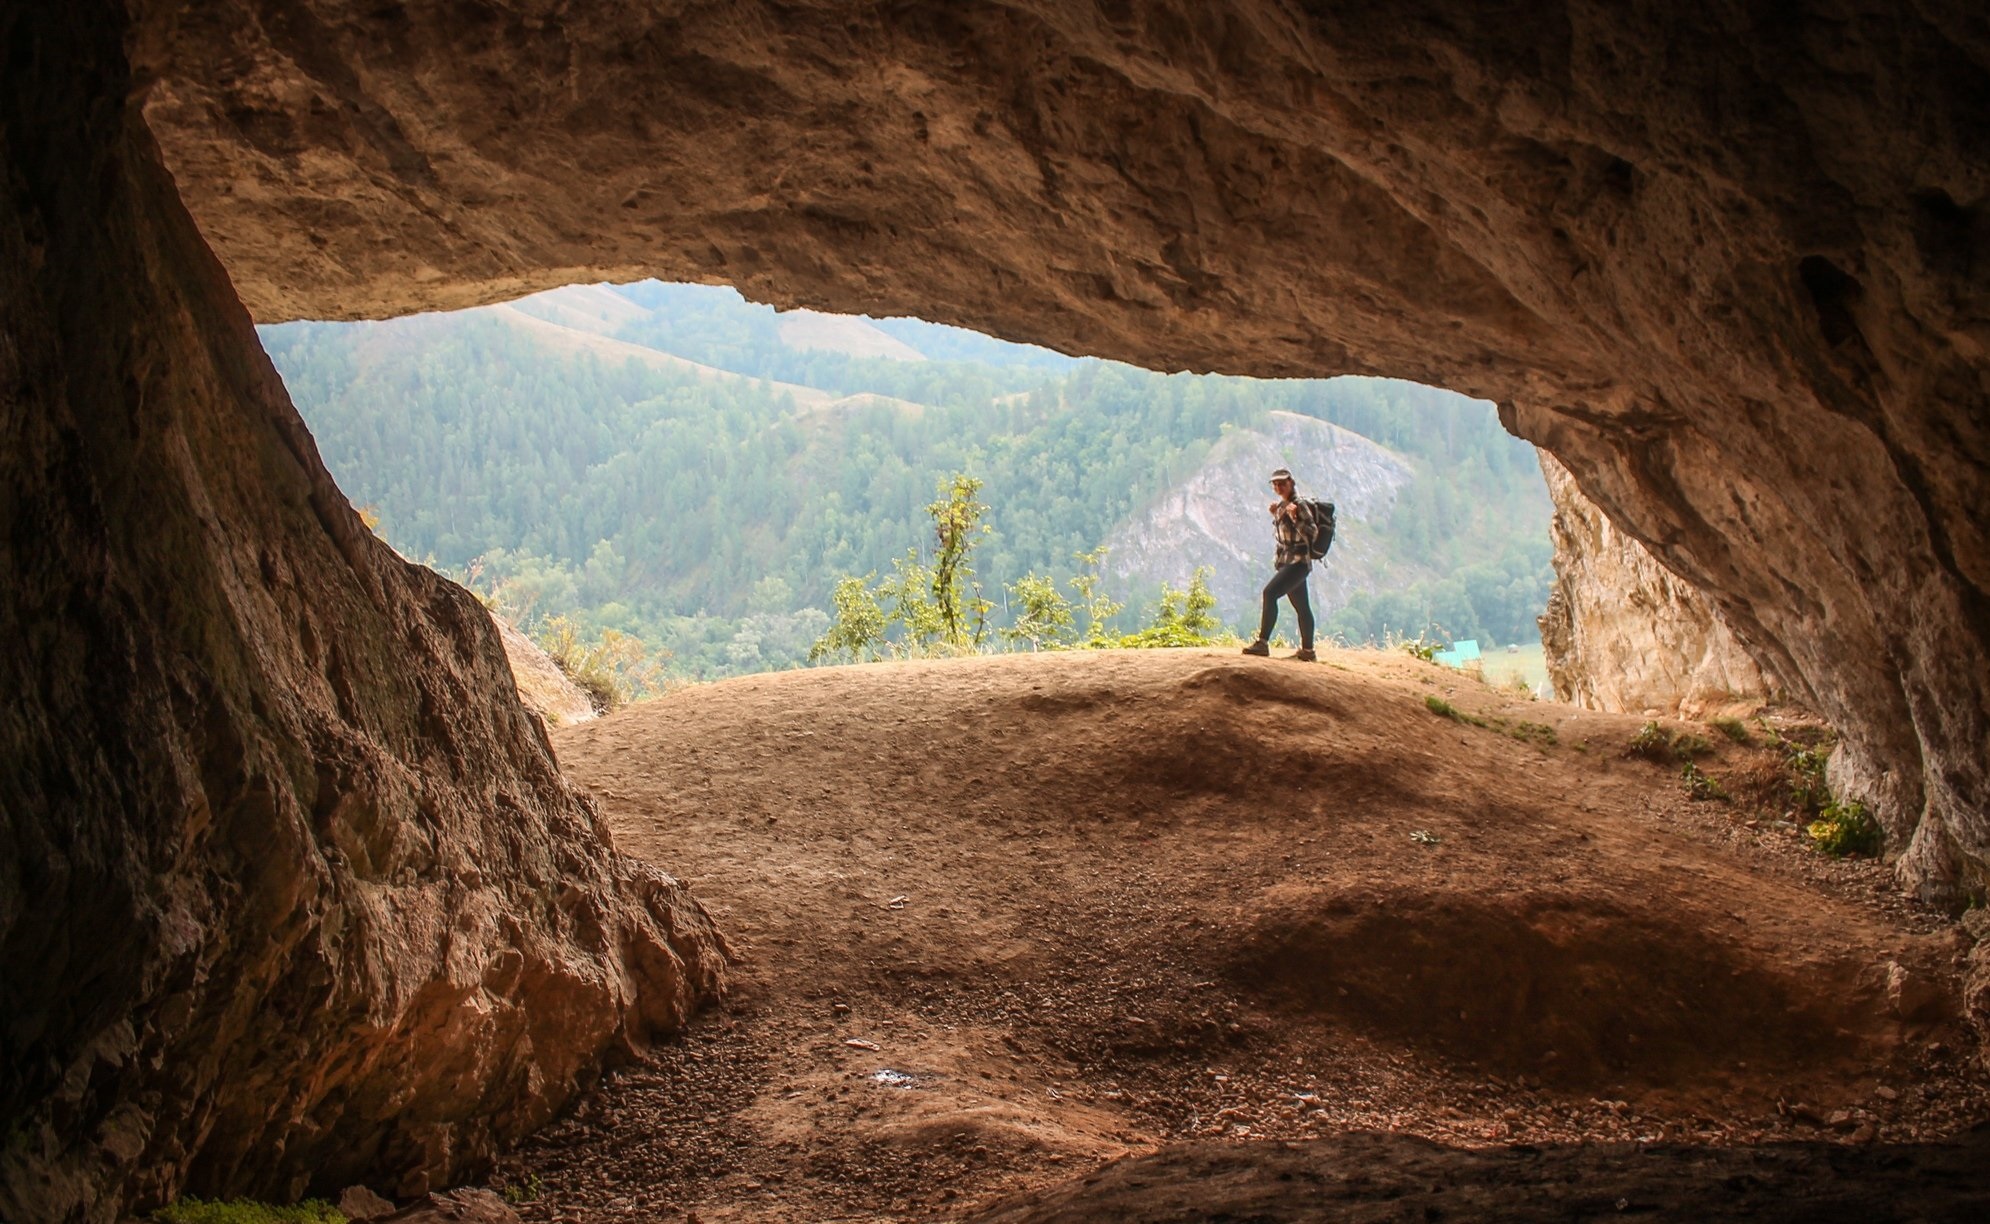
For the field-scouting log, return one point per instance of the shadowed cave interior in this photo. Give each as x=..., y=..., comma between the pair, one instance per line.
x=294, y=893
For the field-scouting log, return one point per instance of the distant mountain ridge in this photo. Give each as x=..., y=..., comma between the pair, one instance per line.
x=682, y=465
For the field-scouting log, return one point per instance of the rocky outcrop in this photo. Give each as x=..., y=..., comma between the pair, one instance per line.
x=292, y=893
x=1726, y=264
x=1217, y=518
x=542, y=686
x=1623, y=634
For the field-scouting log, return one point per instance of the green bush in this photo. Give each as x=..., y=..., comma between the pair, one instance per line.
x=1700, y=785
x=1804, y=763
x=1418, y=647
x=1846, y=830
x=246, y=1211
x=1182, y=618
x=1686, y=747
x=1652, y=742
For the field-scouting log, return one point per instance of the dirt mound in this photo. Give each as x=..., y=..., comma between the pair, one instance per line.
x=1394, y=1177
x=999, y=920
x=1577, y=990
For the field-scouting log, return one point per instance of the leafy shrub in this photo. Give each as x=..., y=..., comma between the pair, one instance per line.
x=1804, y=763
x=1686, y=746
x=1734, y=729
x=1098, y=608
x=1418, y=647
x=1701, y=785
x=1042, y=616
x=1652, y=742
x=1846, y=830
x=857, y=628
x=246, y=1211
x=1182, y=618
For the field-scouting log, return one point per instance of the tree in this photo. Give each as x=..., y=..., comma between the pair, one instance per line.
x=857, y=629
x=1041, y=615
x=1098, y=608
x=958, y=527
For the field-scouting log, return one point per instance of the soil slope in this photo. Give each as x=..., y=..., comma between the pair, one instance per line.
x=998, y=920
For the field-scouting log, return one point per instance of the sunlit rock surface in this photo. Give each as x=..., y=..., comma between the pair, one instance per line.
x=1622, y=634
x=1726, y=264
x=292, y=892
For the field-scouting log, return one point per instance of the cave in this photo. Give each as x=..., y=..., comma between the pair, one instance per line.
x=292, y=889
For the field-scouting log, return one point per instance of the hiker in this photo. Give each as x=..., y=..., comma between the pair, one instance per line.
x=1304, y=529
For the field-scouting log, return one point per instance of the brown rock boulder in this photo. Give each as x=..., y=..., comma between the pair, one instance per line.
x=292, y=893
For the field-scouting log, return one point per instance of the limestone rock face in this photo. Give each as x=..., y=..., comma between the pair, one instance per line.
x=1727, y=263
x=292, y=892
x=1204, y=520
x=1623, y=634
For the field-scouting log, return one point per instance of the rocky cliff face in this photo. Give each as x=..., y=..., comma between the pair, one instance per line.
x=289, y=886
x=1726, y=263
x=292, y=892
x=1217, y=516
x=1623, y=634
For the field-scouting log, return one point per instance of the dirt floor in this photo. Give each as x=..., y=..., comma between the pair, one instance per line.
x=1000, y=921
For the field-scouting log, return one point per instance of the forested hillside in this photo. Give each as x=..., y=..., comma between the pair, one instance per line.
x=626, y=458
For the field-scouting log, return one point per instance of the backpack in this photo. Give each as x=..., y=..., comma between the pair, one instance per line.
x=1323, y=528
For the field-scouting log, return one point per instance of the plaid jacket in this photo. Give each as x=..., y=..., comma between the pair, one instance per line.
x=1295, y=535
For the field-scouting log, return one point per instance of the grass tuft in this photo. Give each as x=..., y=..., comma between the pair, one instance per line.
x=1444, y=709
x=248, y=1211
x=1734, y=729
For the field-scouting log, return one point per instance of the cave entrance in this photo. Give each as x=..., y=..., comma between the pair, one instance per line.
x=686, y=476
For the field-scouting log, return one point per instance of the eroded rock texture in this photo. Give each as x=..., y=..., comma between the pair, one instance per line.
x=1726, y=261
x=292, y=892
x=1624, y=634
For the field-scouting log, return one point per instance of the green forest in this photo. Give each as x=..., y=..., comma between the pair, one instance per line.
x=712, y=517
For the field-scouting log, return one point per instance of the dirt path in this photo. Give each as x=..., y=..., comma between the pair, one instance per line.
x=999, y=920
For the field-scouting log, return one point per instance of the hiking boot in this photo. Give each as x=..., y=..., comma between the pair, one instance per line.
x=1260, y=648
x=1305, y=655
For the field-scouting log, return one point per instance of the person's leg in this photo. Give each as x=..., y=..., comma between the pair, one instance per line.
x=1268, y=619
x=1302, y=607
x=1278, y=588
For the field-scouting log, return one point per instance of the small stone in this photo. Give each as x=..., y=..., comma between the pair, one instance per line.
x=1911, y=995
x=1886, y=1094
x=1866, y=1133
x=359, y=1203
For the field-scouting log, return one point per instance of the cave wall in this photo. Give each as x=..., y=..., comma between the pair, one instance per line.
x=1623, y=634
x=290, y=888
x=1725, y=261
x=292, y=892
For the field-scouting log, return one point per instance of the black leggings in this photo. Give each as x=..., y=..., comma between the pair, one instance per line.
x=1288, y=582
